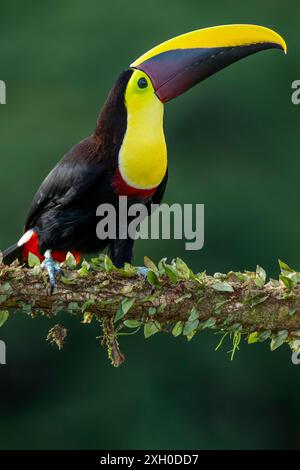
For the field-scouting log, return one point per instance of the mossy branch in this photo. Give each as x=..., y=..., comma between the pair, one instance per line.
x=172, y=299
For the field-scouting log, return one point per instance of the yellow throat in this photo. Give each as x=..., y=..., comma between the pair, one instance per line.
x=143, y=154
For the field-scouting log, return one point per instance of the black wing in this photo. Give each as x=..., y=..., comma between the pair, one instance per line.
x=74, y=175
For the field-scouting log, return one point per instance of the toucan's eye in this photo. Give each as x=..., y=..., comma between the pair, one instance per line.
x=142, y=83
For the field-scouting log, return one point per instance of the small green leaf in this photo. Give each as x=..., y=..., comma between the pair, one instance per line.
x=97, y=261
x=194, y=315
x=274, y=282
x=124, y=308
x=33, y=260
x=126, y=305
x=83, y=271
x=183, y=297
x=66, y=281
x=223, y=287
x=129, y=270
x=87, y=317
x=27, y=308
x=289, y=281
x=6, y=288
x=178, y=328
x=256, y=299
x=182, y=268
x=150, y=265
x=220, y=276
x=153, y=279
x=108, y=264
x=70, y=261
x=191, y=335
x=295, y=345
x=36, y=270
x=161, y=307
x=171, y=273
x=4, y=314
x=292, y=311
x=219, y=306
x=126, y=289
x=151, y=328
x=285, y=267
x=104, y=283
x=161, y=266
x=228, y=319
x=264, y=335
x=236, y=276
x=278, y=339
x=260, y=278
x=73, y=307
x=209, y=323
x=132, y=323
x=190, y=326
x=87, y=305
x=253, y=337
x=152, y=311
x=148, y=298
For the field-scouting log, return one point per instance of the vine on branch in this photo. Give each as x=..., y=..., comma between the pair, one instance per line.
x=171, y=300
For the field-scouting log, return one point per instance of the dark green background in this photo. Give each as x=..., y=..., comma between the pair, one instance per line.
x=233, y=145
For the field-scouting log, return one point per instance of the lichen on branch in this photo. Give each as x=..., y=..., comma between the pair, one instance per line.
x=172, y=300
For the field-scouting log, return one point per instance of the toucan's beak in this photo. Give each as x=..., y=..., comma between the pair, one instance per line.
x=178, y=64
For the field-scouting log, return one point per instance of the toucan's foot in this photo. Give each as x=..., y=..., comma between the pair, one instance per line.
x=142, y=271
x=52, y=268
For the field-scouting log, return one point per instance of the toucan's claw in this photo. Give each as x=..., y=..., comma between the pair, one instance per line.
x=52, y=268
x=142, y=271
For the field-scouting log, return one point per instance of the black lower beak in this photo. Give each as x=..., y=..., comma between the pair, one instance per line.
x=175, y=71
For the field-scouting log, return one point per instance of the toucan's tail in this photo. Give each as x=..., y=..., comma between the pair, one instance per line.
x=12, y=253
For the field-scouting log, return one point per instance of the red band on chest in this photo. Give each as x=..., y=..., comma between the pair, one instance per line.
x=123, y=189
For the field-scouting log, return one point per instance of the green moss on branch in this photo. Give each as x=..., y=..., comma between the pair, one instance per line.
x=173, y=299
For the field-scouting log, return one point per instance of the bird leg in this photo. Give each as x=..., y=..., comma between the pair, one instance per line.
x=120, y=251
x=52, y=268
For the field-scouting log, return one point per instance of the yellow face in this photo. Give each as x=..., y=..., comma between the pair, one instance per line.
x=139, y=86
x=141, y=101
x=143, y=154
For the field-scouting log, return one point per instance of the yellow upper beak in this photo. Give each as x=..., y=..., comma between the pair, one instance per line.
x=230, y=35
x=176, y=65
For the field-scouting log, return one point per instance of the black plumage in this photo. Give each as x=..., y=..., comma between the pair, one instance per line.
x=63, y=211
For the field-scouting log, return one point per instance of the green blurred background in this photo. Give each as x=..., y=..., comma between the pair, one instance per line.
x=233, y=145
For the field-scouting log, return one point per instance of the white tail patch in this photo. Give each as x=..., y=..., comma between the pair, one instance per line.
x=26, y=237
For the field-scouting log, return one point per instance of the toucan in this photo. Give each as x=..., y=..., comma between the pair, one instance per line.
x=126, y=155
